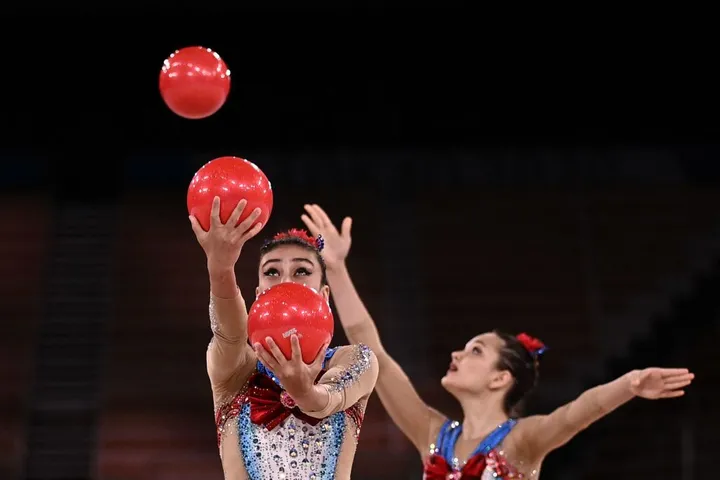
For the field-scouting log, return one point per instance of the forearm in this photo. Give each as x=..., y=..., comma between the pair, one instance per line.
x=597, y=402
x=545, y=433
x=228, y=312
x=354, y=317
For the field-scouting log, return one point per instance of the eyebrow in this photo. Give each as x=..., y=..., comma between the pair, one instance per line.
x=297, y=259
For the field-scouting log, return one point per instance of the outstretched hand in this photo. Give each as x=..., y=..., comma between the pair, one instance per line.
x=655, y=383
x=223, y=242
x=337, y=243
x=296, y=376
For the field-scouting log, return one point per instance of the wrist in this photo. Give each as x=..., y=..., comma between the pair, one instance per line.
x=336, y=267
x=314, y=399
x=223, y=283
x=628, y=380
x=220, y=270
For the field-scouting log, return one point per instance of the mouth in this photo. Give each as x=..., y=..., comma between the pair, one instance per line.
x=453, y=367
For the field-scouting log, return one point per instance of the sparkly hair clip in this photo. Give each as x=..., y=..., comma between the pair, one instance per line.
x=534, y=346
x=318, y=243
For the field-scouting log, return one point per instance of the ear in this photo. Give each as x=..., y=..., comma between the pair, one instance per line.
x=257, y=292
x=500, y=379
x=325, y=292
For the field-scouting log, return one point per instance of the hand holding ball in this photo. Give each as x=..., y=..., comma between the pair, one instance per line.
x=232, y=179
x=287, y=309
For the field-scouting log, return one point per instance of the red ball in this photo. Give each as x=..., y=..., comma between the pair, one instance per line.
x=291, y=308
x=194, y=82
x=232, y=179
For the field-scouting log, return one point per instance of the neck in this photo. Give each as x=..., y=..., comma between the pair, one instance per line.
x=481, y=415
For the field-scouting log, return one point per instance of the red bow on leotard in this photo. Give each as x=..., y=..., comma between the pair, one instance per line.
x=436, y=468
x=270, y=405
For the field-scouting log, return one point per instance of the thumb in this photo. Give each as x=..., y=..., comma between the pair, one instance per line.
x=345, y=227
x=196, y=226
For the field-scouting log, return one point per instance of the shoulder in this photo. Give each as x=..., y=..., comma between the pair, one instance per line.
x=354, y=360
x=520, y=443
x=357, y=354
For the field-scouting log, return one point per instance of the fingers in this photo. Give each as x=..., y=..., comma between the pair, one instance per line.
x=679, y=381
x=322, y=216
x=199, y=232
x=677, y=385
x=672, y=394
x=275, y=351
x=345, y=227
x=235, y=215
x=244, y=226
x=314, y=217
x=669, y=372
x=252, y=232
x=314, y=229
x=320, y=358
x=215, y=213
x=295, y=348
x=266, y=358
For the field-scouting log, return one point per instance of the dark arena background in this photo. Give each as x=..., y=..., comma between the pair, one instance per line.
x=494, y=181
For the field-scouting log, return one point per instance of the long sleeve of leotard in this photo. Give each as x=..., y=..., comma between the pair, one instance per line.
x=351, y=376
x=229, y=357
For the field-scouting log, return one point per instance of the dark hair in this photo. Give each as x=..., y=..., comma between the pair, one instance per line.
x=290, y=239
x=523, y=366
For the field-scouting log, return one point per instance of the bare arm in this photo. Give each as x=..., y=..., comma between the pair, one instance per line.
x=397, y=394
x=544, y=433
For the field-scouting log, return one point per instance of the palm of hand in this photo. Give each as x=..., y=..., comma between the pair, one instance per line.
x=297, y=376
x=223, y=242
x=654, y=383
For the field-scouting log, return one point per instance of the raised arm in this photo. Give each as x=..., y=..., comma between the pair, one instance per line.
x=544, y=433
x=229, y=356
x=397, y=394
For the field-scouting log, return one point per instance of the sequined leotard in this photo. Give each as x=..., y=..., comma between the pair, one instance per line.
x=260, y=435
x=487, y=461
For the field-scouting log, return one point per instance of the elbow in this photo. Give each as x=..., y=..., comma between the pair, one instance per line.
x=373, y=371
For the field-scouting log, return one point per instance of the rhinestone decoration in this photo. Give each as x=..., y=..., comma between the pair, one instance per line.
x=296, y=450
x=351, y=374
x=214, y=322
x=497, y=465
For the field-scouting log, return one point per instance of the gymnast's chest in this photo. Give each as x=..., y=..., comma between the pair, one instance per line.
x=292, y=450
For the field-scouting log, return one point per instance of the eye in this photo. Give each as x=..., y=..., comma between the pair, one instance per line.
x=476, y=351
x=302, y=271
x=271, y=272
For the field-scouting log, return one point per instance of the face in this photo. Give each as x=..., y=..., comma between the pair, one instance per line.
x=291, y=263
x=474, y=368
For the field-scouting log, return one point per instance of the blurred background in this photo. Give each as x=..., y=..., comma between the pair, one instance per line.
x=495, y=182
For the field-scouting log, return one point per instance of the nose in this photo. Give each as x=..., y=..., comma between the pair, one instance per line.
x=455, y=356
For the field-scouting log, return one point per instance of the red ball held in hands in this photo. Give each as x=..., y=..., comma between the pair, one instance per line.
x=194, y=82
x=232, y=179
x=291, y=308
